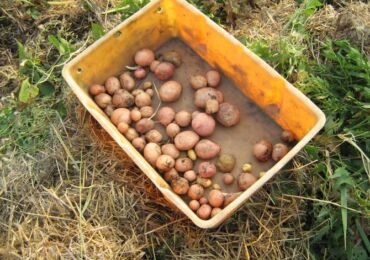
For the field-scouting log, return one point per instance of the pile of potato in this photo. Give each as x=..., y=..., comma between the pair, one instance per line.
x=172, y=141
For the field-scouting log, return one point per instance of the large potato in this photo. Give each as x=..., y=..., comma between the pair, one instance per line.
x=204, y=94
x=164, y=70
x=127, y=81
x=186, y=140
x=112, y=85
x=170, y=91
x=122, y=98
x=166, y=115
x=121, y=115
x=206, y=149
x=228, y=115
x=203, y=124
x=144, y=57
x=152, y=151
x=144, y=125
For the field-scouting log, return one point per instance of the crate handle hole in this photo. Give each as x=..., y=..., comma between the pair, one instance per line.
x=159, y=10
x=117, y=34
x=80, y=70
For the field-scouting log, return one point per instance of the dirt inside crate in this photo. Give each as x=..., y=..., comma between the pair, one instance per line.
x=238, y=140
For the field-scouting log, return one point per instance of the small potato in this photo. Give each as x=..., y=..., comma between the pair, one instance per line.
x=144, y=57
x=186, y=140
x=150, y=92
x=225, y=162
x=194, y=205
x=131, y=134
x=140, y=73
x=183, y=164
x=247, y=167
x=144, y=125
x=216, y=198
x=213, y=78
x=172, y=130
x=143, y=99
x=279, y=151
x=203, y=124
x=147, y=85
x=153, y=136
x=215, y=211
x=146, y=111
x=230, y=198
x=170, y=91
x=171, y=150
x=112, y=85
x=212, y=106
x=206, y=149
x=164, y=70
x=206, y=183
x=171, y=175
x=165, y=163
x=121, y=115
x=207, y=170
x=204, y=94
x=172, y=57
x=136, y=92
x=123, y=127
x=216, y=186
x=166, y=115
x=139, y=143
x=127, y=81
x=122, y=98
x=228, y=179
x=103, y=100
x=151, y=152
x=262, y=150
x=180, y=185
x=204, y=212
x=203, y=200
x=192, y=155
x=96, y=89
x=154, y=65
x=245, y=180
x=195, y=192
x=198, y=81
x=228, y=115
x=190, y=175
x=109, y=110
x=183, y=118
x=287, y=136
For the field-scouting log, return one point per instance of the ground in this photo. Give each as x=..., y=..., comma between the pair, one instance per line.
x=68, y=191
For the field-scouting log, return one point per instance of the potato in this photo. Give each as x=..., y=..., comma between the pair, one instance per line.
x=103, y=100
x=121, y=115
x=122, y=98
x=131, y=134
x=204, y=212
x=112, y=85
x=203, y=124
x=190, y=175
x=215, y=211
x=203, y=200
x=123, y=127
x=192, y=155
x=140, y=73
x=165, y=163
x=206, y=183
x=206, y=149
x=198, y=81
x=212, y=106
x=147, y=85
x=109, y=110
x=194, y=114
x=153, y=136
x=172, y=57
x=172, y=130
x=228, y=179
x=247, y=167
x=144, y=125
x=171, y=150
x=139, y=143
x=171, y=175
x=213, y=78
x=287, y=136
x=143, y=100
x=164, y=70
x=180, y=185
x=144, y=57
x=245, y=180
x=194, y=205
x=183, y=164
x=216, y=198
x=150, y=92
x=137, y=91
x=96, y=89
x=215, y=186
x=186, y=140
x=230, y=198
x=127, y=81
x=154, y=65
x=183, y=118
x=151, y=152
x=170, y=91
x=146, y=111
x=207, y=170
x=166, y=115
x=228, y=115
x=279, y=151
x=225, y=162
x=195, y=192
x=262, y=150
x=204, y=94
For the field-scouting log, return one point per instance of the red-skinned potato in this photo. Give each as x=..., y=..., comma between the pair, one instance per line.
x=228, y=115
x=213, y=78
x=171, y=175
x=183, y=118
x=186, y=140
x=112, y=85
x=103, y=100
x=183, y=164
x=207, y=170
x=139, y=143
x=166, y=115
x=204, y=94
x=228, y=179
x=144, y=125
x=171, y=150
x=96, y=89
x=172, y=130
x=195, y=192
x=203, y=124
x=180, y=185
x=143, y=99
x=204, y=212
x=262, y=150
x=151, y=152
x=122, y=98
x=154, y=65
x=153, y=136
x=279, y=151
x=198, y=81
x=194, y=205
x=170, y=91
x=127, y=81
x=165, y=163
x=164, y=70
x=144, y=57
x=203, y=200
x=121, y=115
x=216, y=198
x=206, y=149
x=245, y=180
x=190, y=175
x=140, y=73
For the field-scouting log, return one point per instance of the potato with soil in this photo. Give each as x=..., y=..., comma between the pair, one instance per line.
x=225, y=163
x=171, y=150
x=195, y=192
x=144, y=125
x=204, y=94
x=216, y=198
x=127, y=81
x=203, y=124
x=146, y=111
x=262, y=150
x=112, y=85
x=207, y=170
x=121, y=115
x=204, y=182
x=139, y=143
x=204, y=212
x=206, y=149
x=172, y=57
x=170, y=91
x=166, y=115
x=198, y=81
x=122, y=98
x=186, y=140
x=212, y=106
x=96, y=89
x=183, y=164
x=103, y=100
x=279, y=151
x=165, y=163
x=183, y=118
x=245, y=180
x=144, y=57
x=228, y=115
x=164, y=70
x=153, y=136
x=143, y=100
x=213, y=78
x=287, y=136
x=152, y=151
x=172, y=130
x=180, y=185
x=171, y=175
